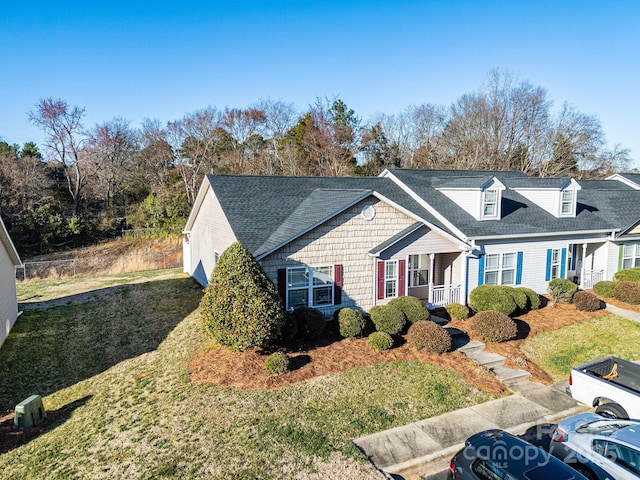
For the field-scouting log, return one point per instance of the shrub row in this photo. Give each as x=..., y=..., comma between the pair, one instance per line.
x=503, y=299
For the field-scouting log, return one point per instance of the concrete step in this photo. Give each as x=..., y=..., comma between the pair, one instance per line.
x=439, y=320
x=509, y=376
x=467, y=345
x=486, y=359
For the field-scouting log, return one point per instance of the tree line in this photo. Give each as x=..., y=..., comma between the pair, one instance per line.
x=86, y=183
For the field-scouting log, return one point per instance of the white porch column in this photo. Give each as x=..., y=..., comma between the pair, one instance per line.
x=582, y=269
x=432, y=259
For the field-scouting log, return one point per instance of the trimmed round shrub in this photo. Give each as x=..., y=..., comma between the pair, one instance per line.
x=518, y=296
x=277, y=363
x=429, y=336
x=311, y=322
x=413, y=308
x=380, y=341
x=492, y=298
x=494, y=326
x=628, y=292
x=627, y=275
x=387, y=318
x=457, y=310
x=586, y=302
x=350, y=322
x=533, y=298
x=605, y=288
x=562, y=290
x=241, y=307
x=289, y=330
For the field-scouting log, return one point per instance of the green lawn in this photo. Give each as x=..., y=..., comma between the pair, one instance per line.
x=116, y=365
x=559, y=351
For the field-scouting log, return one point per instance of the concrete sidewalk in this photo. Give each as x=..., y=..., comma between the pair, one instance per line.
x=422, y=450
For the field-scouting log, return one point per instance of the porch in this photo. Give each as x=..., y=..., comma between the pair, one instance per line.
x=435, y=278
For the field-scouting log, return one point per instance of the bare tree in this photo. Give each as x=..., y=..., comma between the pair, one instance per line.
x=156, y=153
x=64, y=141
x=111, y=150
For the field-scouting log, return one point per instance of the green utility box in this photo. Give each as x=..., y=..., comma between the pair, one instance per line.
x=29, y=412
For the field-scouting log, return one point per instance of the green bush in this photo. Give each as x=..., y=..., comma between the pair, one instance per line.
x=519, y=297
x=289, y=330
x=350, y=322
x=605, y=288
x=387, y=318
x=413, y=308
x=380, y=341
x=494, y=326
x=457, y=310
x=533, y=298
x=277, y=363
x=493, y=298
x=311, y=322
x=562, y=290
x=586, y=302
x=627, y=292
x=627, y=275
x=429, y=336
x=241, y=307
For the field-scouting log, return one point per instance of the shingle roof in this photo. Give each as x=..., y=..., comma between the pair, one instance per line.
x=597, y=209
x=265, y=212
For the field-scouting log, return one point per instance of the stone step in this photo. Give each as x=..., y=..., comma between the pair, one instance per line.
x=439, y=320
x=486, y=359
x=509, y=376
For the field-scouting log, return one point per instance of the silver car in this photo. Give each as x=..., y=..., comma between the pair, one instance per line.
x=600, y=448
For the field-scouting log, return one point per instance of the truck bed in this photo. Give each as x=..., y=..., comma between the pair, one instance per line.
x=615, y=370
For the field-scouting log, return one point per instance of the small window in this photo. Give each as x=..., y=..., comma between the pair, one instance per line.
x=418, y=270
x=566, y=204
x=490, y=203
x=309, y=286
x=630, y=255
x=556, y=256
x=390, y=278
x=500, y=269
x=216, y=257
x=485, y=470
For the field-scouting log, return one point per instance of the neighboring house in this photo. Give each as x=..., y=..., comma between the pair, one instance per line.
x=332, y=242
x=9, y=260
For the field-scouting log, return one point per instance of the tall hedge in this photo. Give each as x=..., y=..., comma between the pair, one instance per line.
x=241, y=307
x=627, y=275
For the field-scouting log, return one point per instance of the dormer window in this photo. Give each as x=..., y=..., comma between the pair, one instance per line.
x=566, y=203
x=489, y=204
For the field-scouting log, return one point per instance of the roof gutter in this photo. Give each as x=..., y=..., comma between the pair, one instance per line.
x=611, y=233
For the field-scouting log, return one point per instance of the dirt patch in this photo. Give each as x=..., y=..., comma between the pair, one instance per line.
x=245, y=371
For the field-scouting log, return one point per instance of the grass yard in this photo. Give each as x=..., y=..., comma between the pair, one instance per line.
x=112, y=367
x=558, y=351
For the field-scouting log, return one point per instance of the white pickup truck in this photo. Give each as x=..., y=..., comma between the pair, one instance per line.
x=609, y=384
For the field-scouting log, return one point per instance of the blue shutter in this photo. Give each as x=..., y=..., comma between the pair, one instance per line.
x=574, y=256
x=549, y=256
x=481, y=270
x=519, y=269
x=563, y=264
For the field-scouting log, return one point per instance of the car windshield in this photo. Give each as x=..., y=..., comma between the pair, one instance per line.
x=605, y=426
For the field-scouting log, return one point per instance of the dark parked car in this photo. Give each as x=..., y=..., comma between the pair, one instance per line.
x=498, y=455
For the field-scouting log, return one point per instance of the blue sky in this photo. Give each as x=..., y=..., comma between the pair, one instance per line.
x=162, y=59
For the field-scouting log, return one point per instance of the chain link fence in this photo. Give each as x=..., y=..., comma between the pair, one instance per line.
x=96, y=266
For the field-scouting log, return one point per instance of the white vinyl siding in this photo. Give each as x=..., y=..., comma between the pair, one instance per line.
x=8, y=302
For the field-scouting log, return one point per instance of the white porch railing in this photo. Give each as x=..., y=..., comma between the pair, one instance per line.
x=591, y=277
x=443, y=295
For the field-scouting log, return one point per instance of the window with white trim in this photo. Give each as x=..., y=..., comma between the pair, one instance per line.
x=566, y=202
x=390, y=278
x=556, y=256
x=489, y=203
x=309, y=286
x=500, y=269
x=631, y=255
x=418, y=270
x=216, y=257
